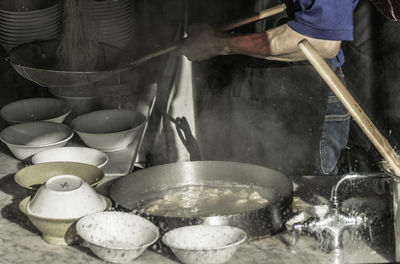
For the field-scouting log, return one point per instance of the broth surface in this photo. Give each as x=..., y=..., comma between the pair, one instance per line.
x=195, y=200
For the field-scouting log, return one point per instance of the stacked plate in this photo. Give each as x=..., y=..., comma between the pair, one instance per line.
x=21, y=23
x=112, y=21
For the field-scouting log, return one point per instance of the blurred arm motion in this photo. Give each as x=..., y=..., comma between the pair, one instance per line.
x=204, y=42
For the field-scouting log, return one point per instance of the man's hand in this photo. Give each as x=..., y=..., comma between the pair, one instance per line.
x=203, y=42
x=280, y=44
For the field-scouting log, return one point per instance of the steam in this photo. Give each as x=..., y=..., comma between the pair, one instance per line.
x=253, y=116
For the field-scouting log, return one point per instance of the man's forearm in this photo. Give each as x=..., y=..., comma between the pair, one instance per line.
x=277, y=44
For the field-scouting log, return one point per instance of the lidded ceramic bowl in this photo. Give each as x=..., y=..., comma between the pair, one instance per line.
x=204, y=244
x=65, y=197
x=57, y=231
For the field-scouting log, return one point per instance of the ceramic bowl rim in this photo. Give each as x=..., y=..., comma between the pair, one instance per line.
x=234, y=244
x=76, y=97
x=55, y=92
x=108, y=134
x=47, y=120
x=18, y=173
x=40, y=146
x=101, y=153
x=143, y=121
x=66, y=109
x=146, y=245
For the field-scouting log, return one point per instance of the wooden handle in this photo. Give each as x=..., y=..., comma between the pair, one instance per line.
x=155, y=54
x=240, y=22
x=254, y=17
x=355, y=110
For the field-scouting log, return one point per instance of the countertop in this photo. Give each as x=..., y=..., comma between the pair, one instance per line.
x=20, y=241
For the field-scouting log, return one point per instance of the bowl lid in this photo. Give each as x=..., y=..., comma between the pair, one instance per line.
x=65, y=196
x=23, y=204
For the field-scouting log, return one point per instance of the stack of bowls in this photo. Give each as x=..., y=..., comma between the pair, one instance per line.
x=28, y=21
x=36, y=125
x=112, y=21
x=58, y=204
x=32, y=177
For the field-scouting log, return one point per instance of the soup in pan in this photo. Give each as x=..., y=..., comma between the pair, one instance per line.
x=191, y=201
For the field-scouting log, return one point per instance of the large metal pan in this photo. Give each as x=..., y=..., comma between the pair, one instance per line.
x=130, y=191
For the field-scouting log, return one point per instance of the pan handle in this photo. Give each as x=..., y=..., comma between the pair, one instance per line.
x=185, y=134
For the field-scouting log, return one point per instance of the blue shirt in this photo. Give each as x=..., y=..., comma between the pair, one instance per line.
x=325, y=19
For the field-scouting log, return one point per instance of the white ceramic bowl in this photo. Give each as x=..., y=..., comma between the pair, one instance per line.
x=82, y=100
x=204, y=244
x=32, y=177
x=65, y=196
x=117, y=236
x=72, y=154
x=26, y=139
x=109, y=130
x=35, y=109
x=55, y=231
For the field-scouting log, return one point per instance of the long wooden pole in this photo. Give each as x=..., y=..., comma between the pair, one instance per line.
x=254, y=17
x=355, y=110
x=240, y=22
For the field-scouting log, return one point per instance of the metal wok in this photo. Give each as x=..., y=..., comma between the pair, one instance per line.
x=130, y=191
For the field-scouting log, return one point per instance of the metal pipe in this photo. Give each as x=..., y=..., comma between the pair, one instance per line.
x=331, y=226
x=334, y=199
